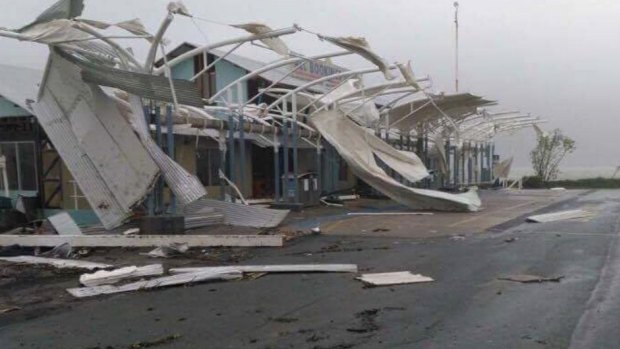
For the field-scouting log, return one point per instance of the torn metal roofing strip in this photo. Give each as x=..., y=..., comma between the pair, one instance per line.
x=239, y=214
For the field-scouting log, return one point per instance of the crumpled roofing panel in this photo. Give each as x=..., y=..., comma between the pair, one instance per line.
x=96, y=143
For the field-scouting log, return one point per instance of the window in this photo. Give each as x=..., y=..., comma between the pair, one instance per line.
x=208, y=165
x=20, y=165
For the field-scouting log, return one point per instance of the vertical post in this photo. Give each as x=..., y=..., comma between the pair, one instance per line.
x=457, y=161
x=240, y=102
x=481, y=163
x=276, y=164
x=160, y=140
x=446, y=181
x=170, y=141
x=469, y=165
x=222, y=148
x=150, y=201
x=462, y=159
x=295, y=140
x=319, y=174
x=231, y=150
x=285, y=159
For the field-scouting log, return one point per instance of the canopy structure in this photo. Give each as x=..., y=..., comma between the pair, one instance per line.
x=369, y=126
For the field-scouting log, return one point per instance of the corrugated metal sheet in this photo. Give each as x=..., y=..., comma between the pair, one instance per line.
x=185, y=186
x=144, y=85
x=239, y=214
x=111, y=167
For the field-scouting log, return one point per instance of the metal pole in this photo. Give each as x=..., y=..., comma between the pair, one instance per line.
x=295, y=144
x=241, y=139
x=160, y=140
x=445, y=179
x=170, y=139
x=222, y=148
x=231, y=150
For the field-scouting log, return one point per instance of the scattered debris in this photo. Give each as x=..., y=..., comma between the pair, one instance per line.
x=380, y=230
x=558, y=216
x=131, y=231
x=56, y=262
x=316, y=230
x=103, y=277
x=511, y=239
x=394, y=278
x=171, y=250
x=457, y=237
x=557, y=188
x=64, y=224
x=368, y=324
x=157, y=342
x=282, y=268
x=527, y=279
x=109, y=240
x=284, y=319
x=9, y=309
x=61, y=251
x=164, y=281
x=390, y=214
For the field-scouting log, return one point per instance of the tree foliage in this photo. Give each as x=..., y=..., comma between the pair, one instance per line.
x=549, y=152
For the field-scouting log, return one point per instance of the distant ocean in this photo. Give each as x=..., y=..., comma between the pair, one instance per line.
x=571, y=172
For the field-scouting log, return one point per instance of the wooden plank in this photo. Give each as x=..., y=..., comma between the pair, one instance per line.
x=281, y=268
x=179, y=279
x=142, y=240
x=104, y=277
x=56, y=262
x=394, y=278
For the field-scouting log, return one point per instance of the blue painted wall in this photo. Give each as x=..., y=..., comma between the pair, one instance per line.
x=184, y=70
x=225, y=73
x=8, y=108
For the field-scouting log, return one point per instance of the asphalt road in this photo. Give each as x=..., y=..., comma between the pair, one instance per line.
x=466, y=307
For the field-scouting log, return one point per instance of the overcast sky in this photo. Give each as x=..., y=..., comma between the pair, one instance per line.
x=557, y=59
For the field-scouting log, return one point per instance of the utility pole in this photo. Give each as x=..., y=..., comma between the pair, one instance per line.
x=456, y=46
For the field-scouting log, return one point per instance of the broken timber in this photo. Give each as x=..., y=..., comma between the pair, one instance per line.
x=142, y=240
x=180, y=279
x=104, y=277
x=282, y=268
x=56, y=262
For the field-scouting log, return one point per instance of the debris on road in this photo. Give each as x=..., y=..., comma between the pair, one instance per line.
x=110, y=240
x=559, y=216
x=457, y=237
x=526, y=278
x=282, y=268
x=61, y=251
x=184, y=278
x=511, y=239
x=368, y=322
x=390, y=214
x=56, y=262
x=156, y=342
x=393, y=278
x=9, y=310
x=104, y=277
x=64, y=224
x=171, y=250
